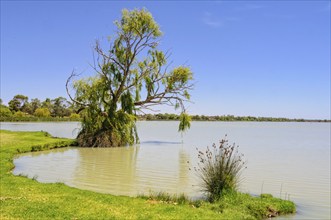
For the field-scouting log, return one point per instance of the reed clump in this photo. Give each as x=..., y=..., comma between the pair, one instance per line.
x=219, y=169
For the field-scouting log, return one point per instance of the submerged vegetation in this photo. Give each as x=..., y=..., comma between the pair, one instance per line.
x=23, y=198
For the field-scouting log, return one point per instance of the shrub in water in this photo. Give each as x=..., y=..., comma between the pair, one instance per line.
x=219, y=169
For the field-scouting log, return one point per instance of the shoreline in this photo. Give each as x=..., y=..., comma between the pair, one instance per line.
x=22, y=197
x=193, y=120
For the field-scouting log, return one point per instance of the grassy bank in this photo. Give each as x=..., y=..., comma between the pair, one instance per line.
x=23, y=198
x=37, y=119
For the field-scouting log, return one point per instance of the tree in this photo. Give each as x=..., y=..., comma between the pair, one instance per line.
x=35, y=103
x=47, y=104
x=27, y=108
x=132, y=76
x=17, y=103
x=60, y=107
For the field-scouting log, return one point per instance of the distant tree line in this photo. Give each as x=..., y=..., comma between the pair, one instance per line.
x=21, y=109
x=60, y=109
x=174, y=117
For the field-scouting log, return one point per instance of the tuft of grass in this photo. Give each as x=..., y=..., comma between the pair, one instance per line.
x=219, y=169
x=165, y=197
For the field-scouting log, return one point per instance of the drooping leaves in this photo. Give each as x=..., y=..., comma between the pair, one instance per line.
x=132, y=75
x=127, y=103
x=179, y=77
x=184, y=122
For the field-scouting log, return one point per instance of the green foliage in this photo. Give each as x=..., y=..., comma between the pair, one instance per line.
x=42, y=112
x=257, y=207
x=5, y=111
x=35, y=103
x=47, y=104
x=184, y=122
x=131, y=77
x=36, y=119
x=179, y=77
x=60, y=107
x=27, y=108
x=17, y=103
x=219, y=169
x=167, y=116
x=121, y=130
x=74, y=116
x=20, y=114
x=164, y=197
x=138, y=22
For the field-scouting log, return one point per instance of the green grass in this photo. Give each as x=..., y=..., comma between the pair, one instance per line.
x=23, y=198
x=164, y=197
x=38, y=119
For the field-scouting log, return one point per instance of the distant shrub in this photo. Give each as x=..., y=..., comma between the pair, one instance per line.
x=20, y=114
x=5, y=112
x=219, y=169
x=42, y=112
x=74, y=116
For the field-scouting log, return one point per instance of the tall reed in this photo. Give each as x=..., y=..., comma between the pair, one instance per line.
x=219, y=169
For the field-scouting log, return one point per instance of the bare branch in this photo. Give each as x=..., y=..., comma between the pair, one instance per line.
x=73, y=74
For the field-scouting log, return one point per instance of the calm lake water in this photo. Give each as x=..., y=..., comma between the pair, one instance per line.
x=288, y=160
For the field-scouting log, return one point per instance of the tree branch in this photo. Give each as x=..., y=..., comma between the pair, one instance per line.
x=73, y=74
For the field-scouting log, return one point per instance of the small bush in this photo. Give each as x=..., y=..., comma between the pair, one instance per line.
x=20, y=114
x=5, y=112
x=42, y=112
x=74, y=116
x=219, y=169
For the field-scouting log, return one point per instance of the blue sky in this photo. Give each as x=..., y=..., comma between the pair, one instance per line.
x=259, y=58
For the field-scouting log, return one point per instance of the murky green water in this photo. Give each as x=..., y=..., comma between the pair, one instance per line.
x=288, y=160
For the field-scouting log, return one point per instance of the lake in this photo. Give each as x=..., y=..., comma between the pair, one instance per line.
x=288, y=160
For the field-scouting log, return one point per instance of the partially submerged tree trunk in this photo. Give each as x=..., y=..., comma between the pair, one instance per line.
x=131, y=77
x=115, y=131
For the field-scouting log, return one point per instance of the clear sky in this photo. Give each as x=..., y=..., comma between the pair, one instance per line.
x=259, y=58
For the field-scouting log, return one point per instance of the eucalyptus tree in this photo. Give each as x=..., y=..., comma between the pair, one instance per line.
x=47, y=104
x=18, y=102
x=35, y=103
x=60, y=107
x=132, y=76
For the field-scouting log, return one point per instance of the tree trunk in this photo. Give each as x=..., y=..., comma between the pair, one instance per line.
x=117, y=128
